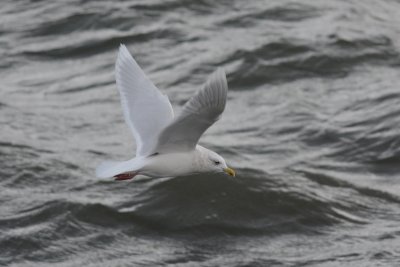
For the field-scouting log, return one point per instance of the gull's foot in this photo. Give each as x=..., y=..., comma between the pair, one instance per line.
x=125, y=176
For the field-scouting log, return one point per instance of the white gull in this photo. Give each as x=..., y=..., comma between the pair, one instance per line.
x=166, y=146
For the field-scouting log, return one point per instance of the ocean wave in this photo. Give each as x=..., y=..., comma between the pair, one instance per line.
x=255, y=202
x=288, y=12
x=278, y=62
x=90, y=44
x=363, y=191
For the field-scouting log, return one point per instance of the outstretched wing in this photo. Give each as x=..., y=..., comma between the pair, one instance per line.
x=199, y=113
x=146, y=110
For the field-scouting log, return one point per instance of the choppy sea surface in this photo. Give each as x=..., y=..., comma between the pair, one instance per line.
x=312, y=127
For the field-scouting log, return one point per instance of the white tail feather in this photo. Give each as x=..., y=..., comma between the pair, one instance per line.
x=109, y=169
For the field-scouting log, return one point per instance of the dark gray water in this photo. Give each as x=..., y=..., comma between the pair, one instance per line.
x=311, y=127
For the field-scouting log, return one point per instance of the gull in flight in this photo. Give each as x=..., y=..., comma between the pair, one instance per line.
x=166, y=145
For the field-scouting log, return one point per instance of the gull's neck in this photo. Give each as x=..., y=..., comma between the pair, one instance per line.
x=201, y=157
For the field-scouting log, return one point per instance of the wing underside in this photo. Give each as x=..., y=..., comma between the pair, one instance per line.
x=146, y=110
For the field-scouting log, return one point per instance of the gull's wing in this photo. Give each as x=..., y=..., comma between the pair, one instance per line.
x=146, y=110
x=199, y=113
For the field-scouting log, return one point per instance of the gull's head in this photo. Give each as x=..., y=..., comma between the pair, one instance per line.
x=215, y=163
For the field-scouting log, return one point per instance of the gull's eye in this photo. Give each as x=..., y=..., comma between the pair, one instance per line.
x=216, y=162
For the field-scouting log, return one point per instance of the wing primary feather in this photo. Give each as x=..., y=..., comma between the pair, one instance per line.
x=197, y=115
x=146, y=110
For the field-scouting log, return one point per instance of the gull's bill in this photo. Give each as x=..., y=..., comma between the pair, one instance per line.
x=230, y=172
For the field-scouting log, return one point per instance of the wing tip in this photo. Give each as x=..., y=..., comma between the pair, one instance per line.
x=122, y=46
x=124, y=58
x=212, y=95
x=219, y=75
x=218, y=80
x=122, y=51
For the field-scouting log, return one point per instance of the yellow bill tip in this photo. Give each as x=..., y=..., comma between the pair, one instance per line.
x=230, y=172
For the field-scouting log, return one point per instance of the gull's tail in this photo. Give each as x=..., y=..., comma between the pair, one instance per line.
x=110, y=169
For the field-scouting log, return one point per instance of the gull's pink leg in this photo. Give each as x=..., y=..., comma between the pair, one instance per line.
x=125, y=176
